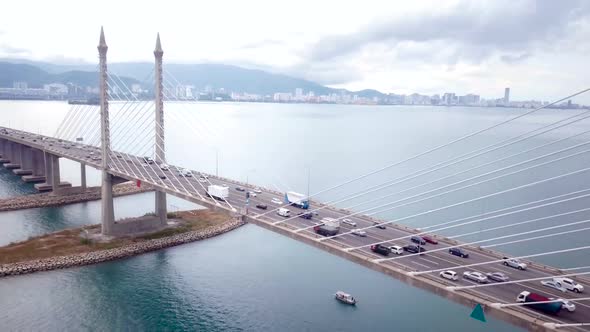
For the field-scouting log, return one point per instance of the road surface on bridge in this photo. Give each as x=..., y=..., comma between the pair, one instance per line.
x=193, y=189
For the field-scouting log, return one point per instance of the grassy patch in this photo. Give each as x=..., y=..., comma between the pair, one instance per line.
x=69, y=241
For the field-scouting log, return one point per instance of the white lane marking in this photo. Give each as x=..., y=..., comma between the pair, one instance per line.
x=493, y=268
x=428, y=260
x=423, y=265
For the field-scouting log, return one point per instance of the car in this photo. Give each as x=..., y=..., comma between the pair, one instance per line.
x=497, y=276
x=570, y=284
x=458, y=252
x=261, y=206
x=553, y=284
x=164, y=167
x=380, y=249
x=257, y=190
x=430, y=239
x=414, y=249
x=349, y=222
x=359, y=232
x=119, y=156
x=95, y=158
x=148, y=160
x=475, y=276
x=418, y=240
x=378, y=225
x=162, y=176
x=565, y=304
x=202, y=180
x=449, y=274
x=276, y=201
x=240, y=189
x=34, y=140
x=515, y=263
x=396, y=250
x=91, y=153
x=305, y=215
x=252, y=194
x=186, y=173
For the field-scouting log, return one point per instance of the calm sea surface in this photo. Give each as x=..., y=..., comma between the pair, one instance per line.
x=255, y=280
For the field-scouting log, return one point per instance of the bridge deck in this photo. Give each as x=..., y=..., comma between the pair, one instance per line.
x=193, y=189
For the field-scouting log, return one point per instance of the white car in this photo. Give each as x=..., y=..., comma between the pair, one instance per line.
x=164, y=167
x=565, y=304
x=448, y=274
x=475, y=276
x=202, y=180
x=186, y=173
x=554, y=284
x=349, y=222
x=359, y=232
x=257, y=190
x=252, y=194
x=396, y=250
x=570, y=284
x=515, y=263
x=276, y=201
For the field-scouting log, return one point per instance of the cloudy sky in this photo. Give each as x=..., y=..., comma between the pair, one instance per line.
x=540, y=49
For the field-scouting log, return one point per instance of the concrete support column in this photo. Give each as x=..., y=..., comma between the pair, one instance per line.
x=83, y=176
x=55, y=178
x=48, y=169
x=107, y=210
x=160, y=203
x=38, y=163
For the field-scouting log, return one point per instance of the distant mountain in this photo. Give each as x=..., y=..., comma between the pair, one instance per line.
x=36, y=77
x=231, y=78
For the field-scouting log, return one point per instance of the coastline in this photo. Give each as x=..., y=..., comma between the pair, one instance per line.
x=125, y=251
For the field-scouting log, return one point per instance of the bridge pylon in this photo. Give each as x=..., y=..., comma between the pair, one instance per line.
x=107, y=210
x=160, y=152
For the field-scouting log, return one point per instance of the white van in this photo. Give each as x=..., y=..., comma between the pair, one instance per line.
x=284, y=212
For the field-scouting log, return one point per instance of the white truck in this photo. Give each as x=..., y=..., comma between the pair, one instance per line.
x=297, y=199
x=218, y=192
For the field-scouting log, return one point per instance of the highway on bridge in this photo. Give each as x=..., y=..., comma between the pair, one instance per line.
x=194, y=187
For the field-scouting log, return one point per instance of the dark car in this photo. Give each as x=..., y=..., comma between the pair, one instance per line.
x=325, y=231
x=414, y=249
x=261, y=206
x=380, y=249
x=430, y=239
x=378, y=225
x=458, y=252
x=418, y=240
x=240, y=189
x=162, y=176
x=306, y=215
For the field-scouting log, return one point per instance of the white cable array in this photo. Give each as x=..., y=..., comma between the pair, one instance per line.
x=546, y=253
x=441, y=146
x=502, y=237
x=527, y=185
x=454, y=184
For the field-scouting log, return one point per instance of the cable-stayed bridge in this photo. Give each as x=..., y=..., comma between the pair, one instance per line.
x=119, y=134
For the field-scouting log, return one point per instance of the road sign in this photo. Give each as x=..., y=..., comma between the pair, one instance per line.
x=478, y=314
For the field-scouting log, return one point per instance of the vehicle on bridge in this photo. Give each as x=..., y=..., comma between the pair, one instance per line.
x=380, y=249
x=297, y=199
x=458, y=252
x=418, y=240
x=326, y=230
x=218, y=192
x=553, y=284
x=379, y=225
x=359, y=232
x=186, y=173
x=515, y=263
x=570, y=284
x=262, y=206
x=449, y=274
x=414, y=249
x=565, y=304
x=284, y=212
x=396, y=250
x=547, y=307
x=430, y=239
x=349, y=222
x=305, y=215
x=475, y=276
x=497, y=276
x=164, y=167
x=148, y=160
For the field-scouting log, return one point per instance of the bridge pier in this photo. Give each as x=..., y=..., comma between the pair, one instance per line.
x=26, y=162
x=38, y=167
x=3, y=151
x=83, y=176
x=52, y=175
x=14, y=152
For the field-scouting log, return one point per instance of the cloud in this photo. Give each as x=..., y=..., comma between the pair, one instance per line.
x=262, y=44
x=507, y=58
x=473, y=31
x=13, y=51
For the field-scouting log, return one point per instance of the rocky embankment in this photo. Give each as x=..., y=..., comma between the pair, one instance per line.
x=48, y=200
x=61, y=262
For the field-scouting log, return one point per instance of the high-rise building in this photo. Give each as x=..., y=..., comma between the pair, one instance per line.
x=20, y=85
x=299, y=94
x=506, y=96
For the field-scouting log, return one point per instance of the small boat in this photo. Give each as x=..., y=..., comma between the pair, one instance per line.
x=345, y=298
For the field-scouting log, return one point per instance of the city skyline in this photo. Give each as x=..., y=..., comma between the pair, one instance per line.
x=539, y=49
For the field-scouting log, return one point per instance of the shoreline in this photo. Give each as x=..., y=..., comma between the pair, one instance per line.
x=42, y=200
x=125, y=251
